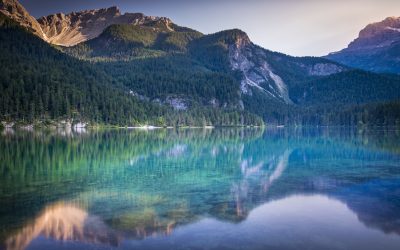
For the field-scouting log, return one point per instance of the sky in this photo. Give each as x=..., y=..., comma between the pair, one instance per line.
x=294, y=27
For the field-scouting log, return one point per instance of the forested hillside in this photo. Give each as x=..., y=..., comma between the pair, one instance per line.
x=351, y=87
x=38, y=83
x=159, y=73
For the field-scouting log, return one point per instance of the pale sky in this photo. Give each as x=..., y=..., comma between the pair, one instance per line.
x=294, y=27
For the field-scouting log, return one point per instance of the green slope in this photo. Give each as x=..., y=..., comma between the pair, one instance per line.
x=200, y=71
x=37, y=81
x=351, y=87
x=40, y=83
x=137, y=74
x=130, y=41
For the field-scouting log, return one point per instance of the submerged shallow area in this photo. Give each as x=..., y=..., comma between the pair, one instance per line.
x=241, y=188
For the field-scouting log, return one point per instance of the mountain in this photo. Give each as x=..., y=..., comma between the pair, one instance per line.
x=77, y=27
x=172, y=75
x=41, y=84
x=148, y=61
x=228, y=51
x=135, y=40
x=14, y=10
x=274, y=86
x=376, y=49
x=260, y=69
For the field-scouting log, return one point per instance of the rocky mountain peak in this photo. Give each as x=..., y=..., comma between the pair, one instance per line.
x=114, y=10
x=378, y=35
x=375, y=49
x=110, y=12
x=242, y=41
x=237, y=37
x=14, y=10
x=12, y=7
x=76, y=27
x=389, y=24
x=252, y=62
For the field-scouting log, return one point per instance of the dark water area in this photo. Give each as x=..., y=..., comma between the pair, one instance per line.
x=310, y=188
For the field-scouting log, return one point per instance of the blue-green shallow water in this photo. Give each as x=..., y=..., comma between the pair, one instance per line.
x=200, y=189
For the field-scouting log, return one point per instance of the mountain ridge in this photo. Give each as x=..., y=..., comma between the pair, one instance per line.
x=76, y=27
x=193, y=78
x=14, y=10
x=377, y=48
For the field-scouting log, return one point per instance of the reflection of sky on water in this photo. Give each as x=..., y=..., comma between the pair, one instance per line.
x=294, y=222
x=203, y=190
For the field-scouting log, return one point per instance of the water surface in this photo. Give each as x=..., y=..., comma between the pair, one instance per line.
x=200, y=189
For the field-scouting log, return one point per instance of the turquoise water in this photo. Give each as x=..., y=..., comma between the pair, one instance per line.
x=200, y=189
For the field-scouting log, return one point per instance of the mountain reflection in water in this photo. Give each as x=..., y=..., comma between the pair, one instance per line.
x=63, y=222
x=200, y=189
x=308, y=217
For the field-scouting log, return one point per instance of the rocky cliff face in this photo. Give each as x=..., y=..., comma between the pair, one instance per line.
x=259, y=71
x=378, y=35
x=77, y=27
x=377, y=48
x=14, y=10
x=256, y=71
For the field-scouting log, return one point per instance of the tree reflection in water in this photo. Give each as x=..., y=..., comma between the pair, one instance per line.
x=142, y=188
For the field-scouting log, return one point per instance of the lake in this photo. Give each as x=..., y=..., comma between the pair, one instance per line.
x=248, y=188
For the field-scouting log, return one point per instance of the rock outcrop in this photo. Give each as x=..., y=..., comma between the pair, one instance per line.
x=14, y=10
x=378, y=35
x=249, y=59
x=377, y=48
x=76, y=27
x=259, y=71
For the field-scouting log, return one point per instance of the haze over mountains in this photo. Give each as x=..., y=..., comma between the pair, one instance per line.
x=167, y=71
